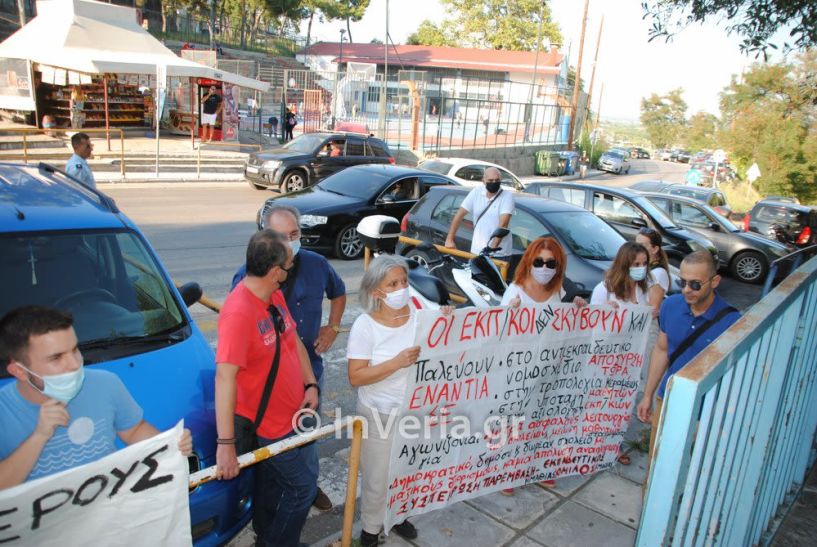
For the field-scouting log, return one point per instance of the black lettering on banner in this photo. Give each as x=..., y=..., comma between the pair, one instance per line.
x=116, y=472
x=147, y=481
x=103, y=482
x=39, y=511
x=6, y=526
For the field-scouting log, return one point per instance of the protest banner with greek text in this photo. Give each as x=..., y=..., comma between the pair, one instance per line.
x=136, y=496
x=501, y=397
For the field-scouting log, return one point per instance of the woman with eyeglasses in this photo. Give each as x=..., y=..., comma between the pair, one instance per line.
x=538, y=280
x=539, y=276
x=659, y=268
x=381, y=354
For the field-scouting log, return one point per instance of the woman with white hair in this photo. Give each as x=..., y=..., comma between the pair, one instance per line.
x=381, y=354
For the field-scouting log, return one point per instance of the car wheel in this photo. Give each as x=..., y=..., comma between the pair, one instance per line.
x=255, y=186
x=348, y=245
x=293, y=181
x=749, y=267
x=419, y=257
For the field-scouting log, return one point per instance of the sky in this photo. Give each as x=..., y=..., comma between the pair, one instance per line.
x=701, y=59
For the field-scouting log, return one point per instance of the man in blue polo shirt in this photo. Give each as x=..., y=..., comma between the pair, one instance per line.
x=309, y=279
x=681, y=314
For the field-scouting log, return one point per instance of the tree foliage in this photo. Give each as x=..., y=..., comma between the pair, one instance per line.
x=664, y=117
x=701, y=132
x=490, y=24
x=755, y=21
x=769, y=117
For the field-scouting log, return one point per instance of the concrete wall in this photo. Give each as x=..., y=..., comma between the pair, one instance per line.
x=519, y=160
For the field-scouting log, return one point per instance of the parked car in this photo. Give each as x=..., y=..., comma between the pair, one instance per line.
x=69, y=247
x=664, y=155
x=626, y=211
x=651, y=185
x=680, y=156
x=711, y=196
x=590, y=243
x=468, y=172
x=782, y=199
x=331, y=209
x=614, y=162
x=746, y=255
x=309, y=158
x=639, y=153
x=787, y=222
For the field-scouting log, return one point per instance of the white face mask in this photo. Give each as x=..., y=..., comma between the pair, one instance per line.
x=61, y=387
x=398, y=299
x=543, y=275
x=295, y=246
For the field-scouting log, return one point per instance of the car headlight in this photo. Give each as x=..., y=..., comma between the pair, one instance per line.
x=272, y=164
x=308, y=221
x=696, y=245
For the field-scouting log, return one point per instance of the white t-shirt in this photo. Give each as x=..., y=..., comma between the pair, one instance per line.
x=377, y=343
x=602, y=296
x=659, y=277
x=475, y=202
x=515, y=290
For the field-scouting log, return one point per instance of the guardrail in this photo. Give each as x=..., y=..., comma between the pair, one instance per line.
x=796, y=259
x=25, y=131
x=251, y=458
x=257, y=146
x=736, y=432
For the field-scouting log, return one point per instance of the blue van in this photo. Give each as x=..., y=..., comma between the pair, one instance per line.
x=69, y=247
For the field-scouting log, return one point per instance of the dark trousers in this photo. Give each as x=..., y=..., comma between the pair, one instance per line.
x=288, y=132
x=285, y=487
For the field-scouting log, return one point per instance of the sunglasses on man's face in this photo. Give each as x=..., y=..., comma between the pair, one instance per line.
x=550, y=263
x=694, y=284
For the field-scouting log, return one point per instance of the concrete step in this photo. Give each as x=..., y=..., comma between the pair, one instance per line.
x=167, y=168
x=15, y=142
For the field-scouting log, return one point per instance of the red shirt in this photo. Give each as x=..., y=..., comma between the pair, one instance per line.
x=246, y=338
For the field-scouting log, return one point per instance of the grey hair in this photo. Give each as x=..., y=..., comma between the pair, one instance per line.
x=374, y=276
x=274, y=208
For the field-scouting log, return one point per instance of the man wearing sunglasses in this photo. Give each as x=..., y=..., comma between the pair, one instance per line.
x=688, y=323
x=491, y=207
x=258, y=346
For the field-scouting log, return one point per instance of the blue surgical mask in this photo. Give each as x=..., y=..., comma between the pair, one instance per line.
x=295, y=246
x=61, y=387
x=638, y=273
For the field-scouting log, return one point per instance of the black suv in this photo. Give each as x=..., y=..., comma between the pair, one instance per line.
x=786, y=222
x=311, y=157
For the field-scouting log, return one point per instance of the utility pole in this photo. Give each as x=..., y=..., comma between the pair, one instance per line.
x=595, y=60
x=529, y=106
x=594, y=136
x=574, y=103
x=21, y=8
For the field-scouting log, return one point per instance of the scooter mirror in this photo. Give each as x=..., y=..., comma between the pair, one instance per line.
x=500, y=233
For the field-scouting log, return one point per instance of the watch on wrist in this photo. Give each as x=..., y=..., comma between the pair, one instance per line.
x=316, y=386
x=335, y=328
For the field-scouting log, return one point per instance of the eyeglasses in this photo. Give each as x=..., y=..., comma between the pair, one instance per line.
x=287, y=270
x=550, y=263
x=277, y=319
x=695, y=285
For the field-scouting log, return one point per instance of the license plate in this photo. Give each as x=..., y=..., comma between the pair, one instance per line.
x=251, y=169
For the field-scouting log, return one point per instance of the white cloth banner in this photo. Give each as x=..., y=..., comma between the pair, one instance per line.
x=501, y=397
x=136, y=496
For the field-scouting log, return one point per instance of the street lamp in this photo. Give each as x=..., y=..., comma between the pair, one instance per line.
x=337, y=77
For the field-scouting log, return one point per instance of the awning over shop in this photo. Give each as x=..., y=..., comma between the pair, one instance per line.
x=95, y=38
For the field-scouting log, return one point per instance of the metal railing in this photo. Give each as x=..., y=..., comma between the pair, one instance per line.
x=736, y=432
x=27, y=155
x=791, y=260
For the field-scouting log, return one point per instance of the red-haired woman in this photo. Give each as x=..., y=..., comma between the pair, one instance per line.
x=538, y=280
x=539, y=276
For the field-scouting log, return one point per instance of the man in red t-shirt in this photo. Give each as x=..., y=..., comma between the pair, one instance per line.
x=253, y=316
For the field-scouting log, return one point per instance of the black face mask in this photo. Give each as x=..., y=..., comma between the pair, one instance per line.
x=492, y=187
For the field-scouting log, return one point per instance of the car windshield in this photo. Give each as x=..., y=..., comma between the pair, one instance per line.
x=108, y=280
x=305, y=143
x=586, y=234
x=436, y=166
x=655, y=213
x=689, y=192
x=617, y=155
x=357, y=183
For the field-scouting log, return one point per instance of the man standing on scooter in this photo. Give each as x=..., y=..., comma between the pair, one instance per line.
x=491, y=207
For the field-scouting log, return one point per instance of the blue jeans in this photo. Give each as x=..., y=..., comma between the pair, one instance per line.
x=285, y=487
x=312, y=460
